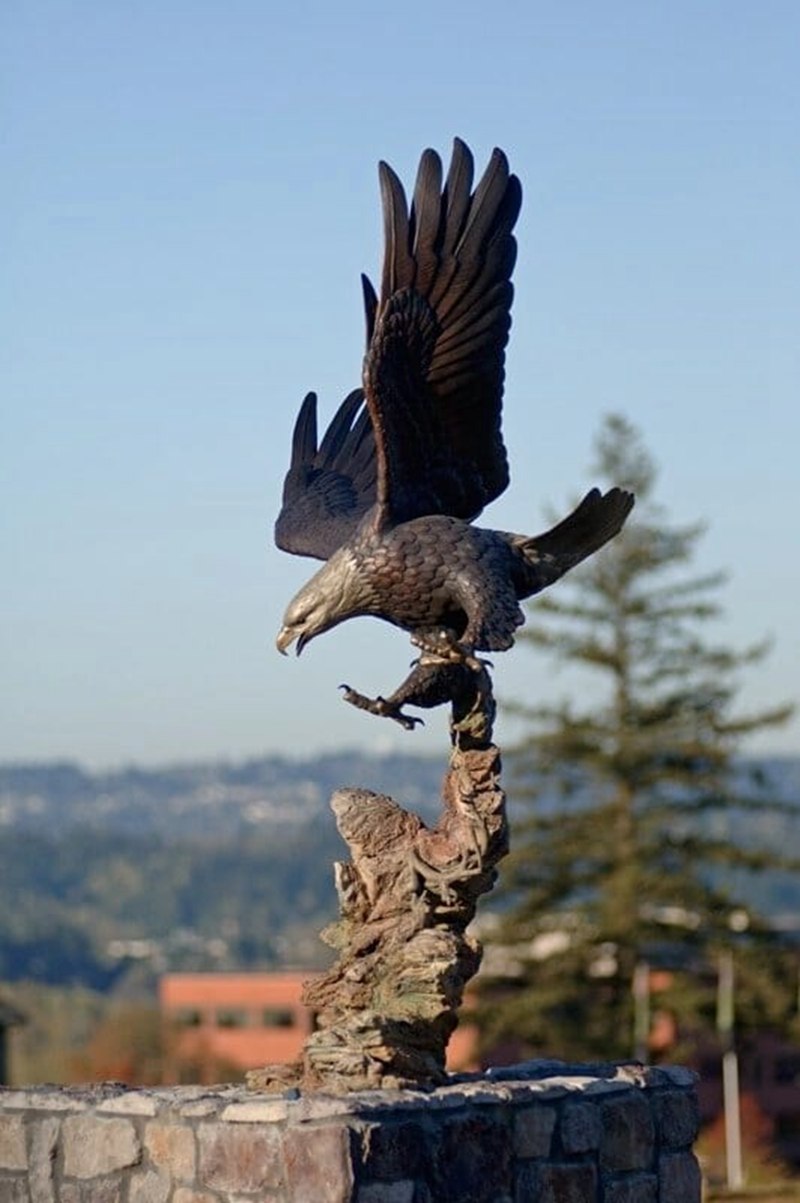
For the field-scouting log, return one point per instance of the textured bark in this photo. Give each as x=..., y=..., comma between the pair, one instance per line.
x=388, y=1007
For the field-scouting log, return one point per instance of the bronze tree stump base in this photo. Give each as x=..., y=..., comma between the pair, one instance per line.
x=386, y=1010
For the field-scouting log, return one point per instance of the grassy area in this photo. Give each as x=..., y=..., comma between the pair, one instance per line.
x=59, y=1025
x=783, y=1192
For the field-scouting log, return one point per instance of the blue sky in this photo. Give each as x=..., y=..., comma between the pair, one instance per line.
x=189, y=196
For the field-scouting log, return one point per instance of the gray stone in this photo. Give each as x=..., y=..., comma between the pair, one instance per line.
x=633, y=1188
x=393, y=1151
x=387, y=1192
x=187, y=1194
x=533, y=1131
x=566, y=1183
x=103, y=1190
x=133, y=1102
x=44, y=1141
x=526, y=1182
x=171, y=1149
x=679, y=1075
x=268, y=1111
x=580, y=1128
x=628, y=1133
x=473, y=1159
x=238, y=1158
x=594, y=1087
x=12, y=1143
x=535, y=1092
x=94, y=1146
x=149, y=1187
x=323, y=1106
x=677, y=1118
x=13, y=1190
x=319, y=1164
x=200, y=1109
x=45, y=1098
x=679, y=1178
x=551, y=1068
x=632, y=1072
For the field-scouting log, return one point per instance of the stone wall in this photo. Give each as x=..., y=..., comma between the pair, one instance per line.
x=542, y=1132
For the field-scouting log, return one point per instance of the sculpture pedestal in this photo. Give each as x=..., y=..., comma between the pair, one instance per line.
x=533, y=1133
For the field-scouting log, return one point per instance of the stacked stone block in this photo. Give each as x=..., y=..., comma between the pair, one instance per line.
x=539, y=1133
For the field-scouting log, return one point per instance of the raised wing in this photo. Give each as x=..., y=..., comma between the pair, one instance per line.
x=434, y=369
x=327, y=488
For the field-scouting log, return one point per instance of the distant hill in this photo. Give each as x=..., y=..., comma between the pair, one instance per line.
x=107, y=879
x=205, y=799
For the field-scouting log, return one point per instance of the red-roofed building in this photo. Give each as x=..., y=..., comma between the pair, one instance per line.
x=239, y=1021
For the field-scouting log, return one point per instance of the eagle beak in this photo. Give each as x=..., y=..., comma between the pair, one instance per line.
x=286, y=637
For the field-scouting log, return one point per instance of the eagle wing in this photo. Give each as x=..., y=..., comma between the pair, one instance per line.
x=429, y=439
x=328, y=487
x=434, y=368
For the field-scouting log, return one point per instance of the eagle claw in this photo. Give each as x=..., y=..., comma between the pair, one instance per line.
x=381, y=707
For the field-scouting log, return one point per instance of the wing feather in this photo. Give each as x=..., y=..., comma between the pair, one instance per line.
x=398, y=263
x=488, y=205
x=434, y=369
x=304, y=437
x=456, y=195
x=327, y=488
x=426, y=220
x=471, y=324
x=340, y=428
x=370, y=305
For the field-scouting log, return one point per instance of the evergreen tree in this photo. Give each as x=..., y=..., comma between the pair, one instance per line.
x=622, y=857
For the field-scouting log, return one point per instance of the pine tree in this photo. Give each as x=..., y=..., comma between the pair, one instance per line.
x=622, y=857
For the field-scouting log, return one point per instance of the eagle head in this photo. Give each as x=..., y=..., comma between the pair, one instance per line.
x=328, y=598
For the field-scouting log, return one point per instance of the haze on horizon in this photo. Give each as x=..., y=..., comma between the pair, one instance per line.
x=191, y=194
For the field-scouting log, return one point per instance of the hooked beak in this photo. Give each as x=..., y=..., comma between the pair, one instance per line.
x=286, y=637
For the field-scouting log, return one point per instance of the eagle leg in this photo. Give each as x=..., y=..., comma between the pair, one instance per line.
x=441, y=643
x=383, y=707
x=433, y=681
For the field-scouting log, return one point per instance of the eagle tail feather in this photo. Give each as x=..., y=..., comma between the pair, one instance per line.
x=598, y=518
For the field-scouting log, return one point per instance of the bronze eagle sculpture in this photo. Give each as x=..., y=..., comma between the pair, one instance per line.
x=389, y=496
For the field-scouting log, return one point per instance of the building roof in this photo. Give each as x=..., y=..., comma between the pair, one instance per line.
x=232, y=989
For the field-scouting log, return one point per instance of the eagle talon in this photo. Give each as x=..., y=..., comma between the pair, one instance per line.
x=477, y=664
x=381, y=707
x=440, y=646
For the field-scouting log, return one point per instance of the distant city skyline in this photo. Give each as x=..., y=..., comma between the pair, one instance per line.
x=191, y=194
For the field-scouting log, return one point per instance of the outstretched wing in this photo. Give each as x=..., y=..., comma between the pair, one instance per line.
x=327, y=488
x=434, y=369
